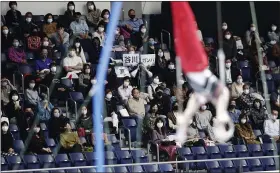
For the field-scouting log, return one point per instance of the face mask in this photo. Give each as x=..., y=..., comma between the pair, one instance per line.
x=4, y=84
x=71, y=7
x=90, y=7
x=171, y=66
x=50, y=20
x=159, y=125
x=117, y=32
x=106, y=16
x=152, y=42
x=28, y=19
x=14, y=7
x=228, y=65
x=131, y=52
x=203, y=107
x=257, y=105
x=5, y=31
x=253, y=28
x=227, y=36
x=37, y=130
x=5, y=128
x=239, y=81
x=31, y=85
x=87, y=71
x=100, y=29
x=143, y=30
x=45, y=43
x=224, y=27
x=56, y=114
x=15, y=98
x=246, y=91
x=273, y=28
x=132, y=16
x=53, y=69
x=126, y=84
x=243, y=121
x=72, y=53
x=109, y=96
x=84, y=112
x=273, y=42
x=156, y=81
x=16, y=44
x=160, y=54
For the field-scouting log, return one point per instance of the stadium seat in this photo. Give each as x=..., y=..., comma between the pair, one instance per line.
x=166, y=168
x=243, y=164
x=4, y=164
x=73, y=171
x=66, y=82
x=110, y=158
x=30, y=55
x=62, y=160
x=15, y=131
x=15, y=162
x=255, y=149
x=88, y=170
x=51, y=143
x=186, y=153
x=268, y=149
x=213, y=167
x=18, y=146
x=202, y=134
x=78, y=159
x=246, y=74
x=139, y=156
x=241, y=151
x=278, y=148
x=46, y=161
x=77, y=96
x=135, y=168
x=25, y=69
x=121, y=169
x=213, y=152
x=255, y=165
x=90, y=158
x=58, y=171
x=242, y=64
x=200, y=154
x=108, y=170
x=258, y=133
x=31, y=162
x=123, y=157
x=268, y=164
x=151, y=168
x=45, y=130
x=130, y=126
x=266, y=139
x=109, y=148
x=114, y=141
x=228, y=166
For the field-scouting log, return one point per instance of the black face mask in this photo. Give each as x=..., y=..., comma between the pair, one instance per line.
x=132, y=16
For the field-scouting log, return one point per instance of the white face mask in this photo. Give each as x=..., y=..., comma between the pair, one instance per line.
x=227, y=36
x=84, y=112
x=273, y=28
x=181, y=82
x=239, y=44
x=239, y=81
x=50, y=20
x=117, y=32
x=171, y=66
x=109, y=96
x=53, y=69
x=5, y=31
x=156, y=81
x=72, y=53
x=228, y=65
x=273, y=42
x=16, y=44
x=257, y=105
x=28, y=19
x=37, y=129
x=100, y=29
x=126, y=84
x=246, y=91
x=203, y=107
x=71, y=7
x=253, y=28
x=243, y=121
x=15, y=98
x=143, y=30
x=5, y=128
x=56, y=114
x=159, y=125
x=131, y=52
x=224, y=27
x=87, y=71
x=106, y=16
x=90, y=7
x=77, y=44
x=160, y=54
x=45, y=43
x=31, y=85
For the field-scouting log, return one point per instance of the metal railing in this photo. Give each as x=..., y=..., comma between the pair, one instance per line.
x=169, y=38
x=142, y=164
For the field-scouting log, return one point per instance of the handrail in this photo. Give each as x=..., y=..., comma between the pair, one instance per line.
x=22, y=79
x=169, y=37
x=76, y=109
x=141, y=164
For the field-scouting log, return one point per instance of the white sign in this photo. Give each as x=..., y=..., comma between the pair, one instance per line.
x=122, y=71
x=130, y=59
x=148, y=59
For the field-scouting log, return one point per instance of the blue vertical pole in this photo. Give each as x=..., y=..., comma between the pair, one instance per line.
x=98, y=99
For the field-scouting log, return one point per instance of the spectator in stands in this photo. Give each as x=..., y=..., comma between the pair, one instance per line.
x=26, y=121
x=224, y=27
x=100, y=33
x=132, y=24
x=258, y=114
x=131, y=49
x=160, y=64
x=172, y=117
x=31, y=94
x=111, y=109
x=119, y=40
x=151, y=47
x=244, y=129
x=162, y=100
x=56, y=123
x=111, y=78
x=252, y=36
x=140, y=39
x=69, y=140
x=170, y=75
x=49, y=27
x=231, y=72
x=61, y=40
x=73, y=63
x=193, y=137
x=237, y=87
x=13, y=18
x=149, y=120
x=233, y=112
x=34, y=41
x=16, y=54
x=125, y=90
x=139, y=73
x=105, y=14
x=229, y=45
x=46, y=43
x=159, y=136
x=85, y=79
x=273, y=33
x=275, y=99
x=136, y=105
x=79, y=27
x=6, y=140
x=93, y=15
x=27, y=25
x=203, y=117
x=44, y=108
x=13, y=109
x=6, y=89
x=50, y=76
x=97, y=48
x=275, y=55
x=245, y=101
x=79, y=50
x=43, y=64
x=271, y=126
x=6, y=39
x=85, y=121
x=38, y=144
x=152, y=87
x=69, y=14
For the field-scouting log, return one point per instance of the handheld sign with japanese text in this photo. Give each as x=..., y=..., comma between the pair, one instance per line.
x=148, y=59
x=130, y=59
